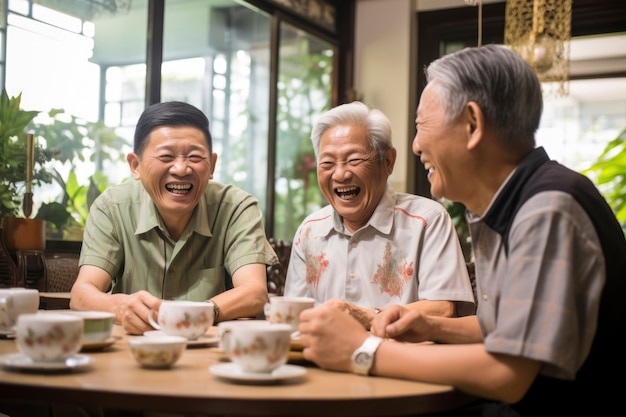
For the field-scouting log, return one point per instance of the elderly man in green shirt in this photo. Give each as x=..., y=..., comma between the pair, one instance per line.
x=172, y=233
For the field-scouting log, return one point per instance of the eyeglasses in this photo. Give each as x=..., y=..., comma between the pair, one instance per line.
x=352, y=162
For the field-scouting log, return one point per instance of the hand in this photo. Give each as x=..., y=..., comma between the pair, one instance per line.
x=359, y=313
x=401, y=323
x=330, y=336
x=133, y=311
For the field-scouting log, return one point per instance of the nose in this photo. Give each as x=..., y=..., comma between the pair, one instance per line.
x=416, y=147
x=180, y=166
x=341, y=171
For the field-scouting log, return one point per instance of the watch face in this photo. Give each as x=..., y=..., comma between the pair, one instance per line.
x=362, y=358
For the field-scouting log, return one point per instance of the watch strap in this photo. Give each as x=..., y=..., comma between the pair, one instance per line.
x=363, y=357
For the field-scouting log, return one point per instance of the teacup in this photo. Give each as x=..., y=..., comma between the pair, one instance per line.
x=157, y=352
x=256, y=346
x=283, y=309
x=14, y=302
x=97, y=325
x=223, y=326
x=49, y=337
x=190, y=319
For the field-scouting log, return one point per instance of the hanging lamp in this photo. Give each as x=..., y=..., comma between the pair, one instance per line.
x=540, y=31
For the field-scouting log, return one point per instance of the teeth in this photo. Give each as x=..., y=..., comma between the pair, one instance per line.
x=178, y=188
x=347, y=193
x=346, y=190
x=428, y=166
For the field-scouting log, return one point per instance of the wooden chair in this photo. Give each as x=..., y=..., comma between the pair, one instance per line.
x=62, y=271
x=277, y=274
x=8, y=269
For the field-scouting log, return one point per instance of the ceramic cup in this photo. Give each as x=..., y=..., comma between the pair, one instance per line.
x=282, y=309
x=157, y=351
x=98, y=325
x=49, y=337
x=17, y=301
x=6, y=310
x=190, y=319
x=256, y=346
x=223, y=326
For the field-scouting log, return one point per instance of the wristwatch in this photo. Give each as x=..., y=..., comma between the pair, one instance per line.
x=216, y=311
x=363, y=357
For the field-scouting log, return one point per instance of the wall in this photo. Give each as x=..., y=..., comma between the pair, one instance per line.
x=382, y=68
x=384, y=61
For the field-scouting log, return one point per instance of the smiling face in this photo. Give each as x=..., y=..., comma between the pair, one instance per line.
x=439, y=145
x=351, y=174
x=175, y=168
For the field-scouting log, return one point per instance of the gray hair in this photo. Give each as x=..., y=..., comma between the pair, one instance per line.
x=375, y=122
x=500, y=82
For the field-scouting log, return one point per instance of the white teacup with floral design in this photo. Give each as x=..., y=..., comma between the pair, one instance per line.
x=283, y=309
x=256, y=346
x=17, y=301
x=190, y=319
x=49, y=337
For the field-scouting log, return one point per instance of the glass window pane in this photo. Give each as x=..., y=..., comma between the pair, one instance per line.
x=576, y=128
x=304, y=85
x=230, y=45
x=58, y=59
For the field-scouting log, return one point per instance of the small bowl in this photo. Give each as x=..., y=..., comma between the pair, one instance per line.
x=98, y=325
x=157, y=351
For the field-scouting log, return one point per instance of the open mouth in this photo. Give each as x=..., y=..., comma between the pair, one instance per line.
x=428, y=167
x=347, y=193
x=178, y=188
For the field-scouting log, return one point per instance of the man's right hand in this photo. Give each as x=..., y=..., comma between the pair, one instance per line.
x=132, y=311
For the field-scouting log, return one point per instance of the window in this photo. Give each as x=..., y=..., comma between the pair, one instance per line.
x=261, y=95
x=574, y=129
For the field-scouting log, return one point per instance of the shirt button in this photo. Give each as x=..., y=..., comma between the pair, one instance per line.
x=485, y=297
x=353, y=245
x=352, y=275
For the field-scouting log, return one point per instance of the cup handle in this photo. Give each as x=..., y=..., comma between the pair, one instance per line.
x=225, y=341
x=6, y=305
x=151, y=320
x=267, y=310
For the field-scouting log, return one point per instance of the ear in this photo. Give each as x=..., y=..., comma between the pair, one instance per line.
x=390, y=160
x=475, y=124
x=213, y=162
x=133, y=163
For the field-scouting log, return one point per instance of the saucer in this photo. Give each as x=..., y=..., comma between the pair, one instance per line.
x=95, y=346
x=295, y=356
x=233, y=372
x=201, y=341
x=7, y=334
x=20, y=362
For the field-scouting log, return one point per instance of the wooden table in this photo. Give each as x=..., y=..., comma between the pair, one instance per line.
x=54, y=300
x=116, y=382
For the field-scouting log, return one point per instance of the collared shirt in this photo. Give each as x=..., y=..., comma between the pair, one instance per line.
x=125, y=236
x=408, y=251
x=550, y=275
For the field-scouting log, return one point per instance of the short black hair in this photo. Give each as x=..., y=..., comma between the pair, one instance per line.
x=170, y=113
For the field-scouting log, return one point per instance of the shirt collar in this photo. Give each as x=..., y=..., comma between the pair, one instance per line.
x=150, y=218
x=381, y=219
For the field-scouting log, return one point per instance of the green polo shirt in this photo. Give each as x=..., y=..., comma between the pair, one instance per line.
x=125, y=236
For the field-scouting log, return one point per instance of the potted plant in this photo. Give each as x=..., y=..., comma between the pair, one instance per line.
x=15, y=178
x=609, y=174
x=75, y=140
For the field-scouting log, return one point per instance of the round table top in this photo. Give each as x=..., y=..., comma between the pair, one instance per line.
x=115, y=381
